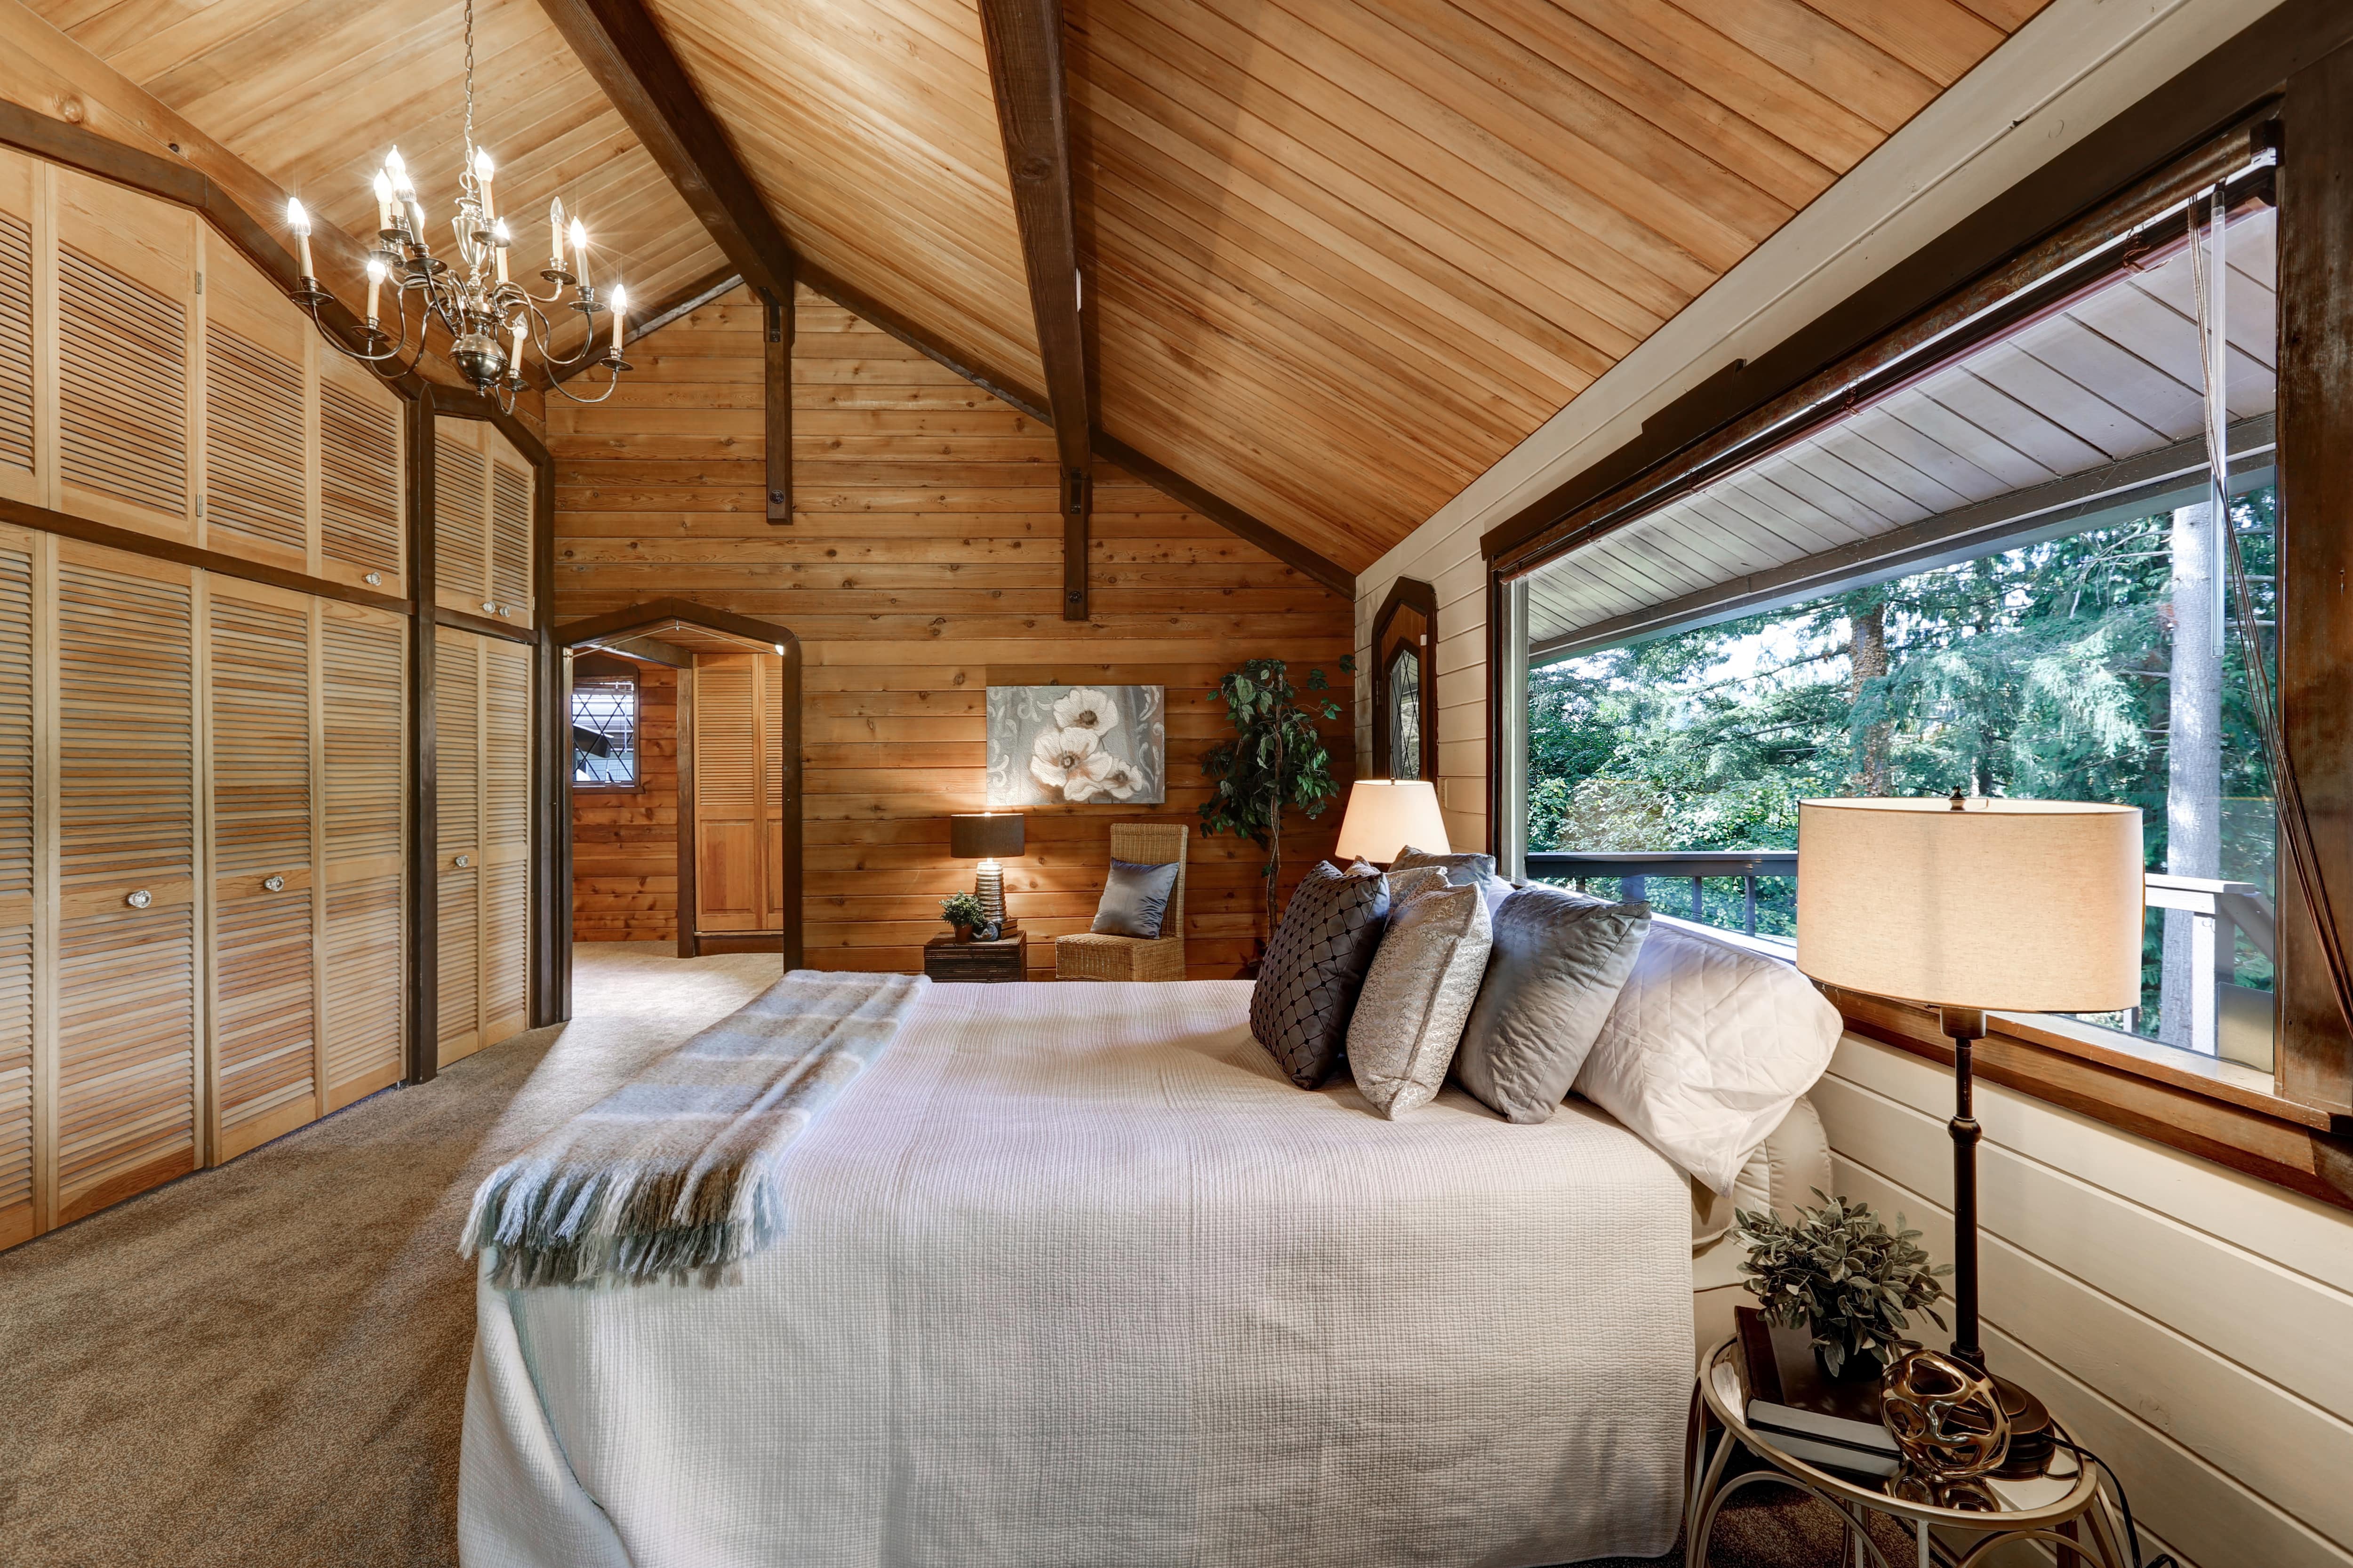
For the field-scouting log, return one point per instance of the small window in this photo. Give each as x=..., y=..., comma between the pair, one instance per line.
x=605, y=733
x=1405, y=714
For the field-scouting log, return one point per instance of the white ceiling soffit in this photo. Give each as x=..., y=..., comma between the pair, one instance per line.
x=2096, y=406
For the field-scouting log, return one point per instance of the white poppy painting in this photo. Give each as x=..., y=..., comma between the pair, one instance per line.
x=1078, y=745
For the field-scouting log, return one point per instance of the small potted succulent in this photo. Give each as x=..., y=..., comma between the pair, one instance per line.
x=1840, y=1272
x=963, y=911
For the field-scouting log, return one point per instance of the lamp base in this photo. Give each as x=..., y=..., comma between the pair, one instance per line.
x=2030, y=1438
x=988, y=885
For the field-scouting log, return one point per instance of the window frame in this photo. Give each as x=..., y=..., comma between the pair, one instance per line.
x=637, y=783
x=2289, y=74
x=1407, y=593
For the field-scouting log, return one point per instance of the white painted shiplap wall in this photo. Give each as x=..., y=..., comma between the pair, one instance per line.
x=2053, y=82
x=2192, y=1326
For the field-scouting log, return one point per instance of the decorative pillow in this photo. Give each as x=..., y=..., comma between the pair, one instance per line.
x=1416, y=996
x=1461, y=869
x=1412, y=884
x=1558, y=964
x=1134, y=900
x=1314, y=962
x=1708, y=1046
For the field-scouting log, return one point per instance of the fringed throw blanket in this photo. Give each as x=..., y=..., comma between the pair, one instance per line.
x=674, y=1175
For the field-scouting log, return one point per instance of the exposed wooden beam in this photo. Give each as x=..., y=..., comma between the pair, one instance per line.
x=776, y=385
x=1308, y=562
x=623, y=48
x=1024, y=39
x=683, y=302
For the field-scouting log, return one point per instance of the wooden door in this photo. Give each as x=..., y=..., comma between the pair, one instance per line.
x=458, y=746
x=264, y=920
x=258, y=451
x=738, y=781
x=505, y=921
x=509, y=532
x=126, y=1066
x=361, y=537
x=365, y=666
x=20, y=1216
x=25, y=275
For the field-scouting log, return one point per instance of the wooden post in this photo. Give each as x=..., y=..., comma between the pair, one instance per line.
x=424, y=912
x=779, y=402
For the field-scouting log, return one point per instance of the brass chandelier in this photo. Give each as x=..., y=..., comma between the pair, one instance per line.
x=482, y=309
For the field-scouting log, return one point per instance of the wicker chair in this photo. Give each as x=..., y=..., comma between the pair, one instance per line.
x=1087, y=956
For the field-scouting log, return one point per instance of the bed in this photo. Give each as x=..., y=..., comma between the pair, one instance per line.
x=1076, y=1276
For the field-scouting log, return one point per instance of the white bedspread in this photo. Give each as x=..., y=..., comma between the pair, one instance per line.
x=1076, y=1277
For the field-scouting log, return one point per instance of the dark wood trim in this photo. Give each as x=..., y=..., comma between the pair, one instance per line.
x=656, y=613
x=2315, y=558
x=2192, y=110
x=738, y=941
x=1024, y=42
x=424, y=880
x=1300, y=557
x=131, y=542
x=687, y=947
x=1498, y=629
x=649, y=650
x=653, y=318
x=625, y=51
x=778, y=324
x=2278, y=1142
x=482, y=626
x=1412, y=594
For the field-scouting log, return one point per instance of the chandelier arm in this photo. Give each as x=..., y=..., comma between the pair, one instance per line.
x=612, y=368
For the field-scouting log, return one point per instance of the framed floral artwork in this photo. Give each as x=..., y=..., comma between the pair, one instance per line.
x=1078, y=745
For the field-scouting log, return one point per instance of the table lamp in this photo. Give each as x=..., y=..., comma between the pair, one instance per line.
x=983, y=835
x=1387, y=815
x=2027, y=906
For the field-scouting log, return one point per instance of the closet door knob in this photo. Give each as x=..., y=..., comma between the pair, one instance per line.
x=465, y=860
x=273, y=884
x=139, y=898
x=490, y=607
x=374, y=579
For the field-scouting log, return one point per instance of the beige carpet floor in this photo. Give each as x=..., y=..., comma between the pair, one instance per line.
x=263, y=1366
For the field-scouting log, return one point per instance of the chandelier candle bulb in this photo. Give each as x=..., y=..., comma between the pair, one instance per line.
x=580, y=253
x=556, y=235
x=621, y=309
x=299, y=222
x=515, y=370
x=376, y=281
x=482, y=169
x=500, y=240
x=382, y=201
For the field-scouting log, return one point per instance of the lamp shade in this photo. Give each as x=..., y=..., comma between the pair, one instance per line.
x=985, y=835
x=1386, y=815
x=2028, y=906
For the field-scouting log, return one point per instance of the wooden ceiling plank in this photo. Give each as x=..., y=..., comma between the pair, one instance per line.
x=1922, y=453
x=1938, y=38
x=1398, y=180
x=1465, y=298
x=1804, y=42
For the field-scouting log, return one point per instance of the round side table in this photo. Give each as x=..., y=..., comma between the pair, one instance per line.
x=2056, y=1510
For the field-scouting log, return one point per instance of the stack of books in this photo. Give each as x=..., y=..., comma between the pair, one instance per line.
x=1804, y=1413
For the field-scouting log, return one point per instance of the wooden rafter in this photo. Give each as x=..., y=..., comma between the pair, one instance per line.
x=1024, y=39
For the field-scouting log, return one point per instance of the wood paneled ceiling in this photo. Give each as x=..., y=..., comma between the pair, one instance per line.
x=1343, y=254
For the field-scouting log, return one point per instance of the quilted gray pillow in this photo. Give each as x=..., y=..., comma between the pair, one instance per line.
x=1314, y=964
x=1416, y=996
x=1558, y=964
x=1462, y=869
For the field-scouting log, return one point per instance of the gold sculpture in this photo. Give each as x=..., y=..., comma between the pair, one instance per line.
x=1948, y=1421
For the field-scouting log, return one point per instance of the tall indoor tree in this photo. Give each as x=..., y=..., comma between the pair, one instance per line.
x=1276, y=759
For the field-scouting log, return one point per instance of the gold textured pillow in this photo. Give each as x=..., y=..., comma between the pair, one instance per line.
x=1410, y=1013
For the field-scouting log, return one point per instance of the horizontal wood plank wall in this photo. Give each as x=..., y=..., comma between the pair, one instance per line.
x=624, y=841
x=922, y=565
x=2187, y=1322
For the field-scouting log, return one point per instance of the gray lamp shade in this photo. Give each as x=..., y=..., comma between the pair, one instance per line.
x=2025, y=906
x=985, y=835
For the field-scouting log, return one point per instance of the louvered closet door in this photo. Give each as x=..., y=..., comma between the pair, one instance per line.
x=126, y=1060
x=728, y=894
x=21, y=181
x=360, y=500
x=263, y=919
x=458, y=741
x=19, y=1211
x=461, y=546
x=511, y=483
x=256, y=416
x=127, y=395
x=365, y=664
x=506, y=839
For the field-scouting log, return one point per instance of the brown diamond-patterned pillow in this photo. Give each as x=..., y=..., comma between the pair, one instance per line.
x=1314, y=966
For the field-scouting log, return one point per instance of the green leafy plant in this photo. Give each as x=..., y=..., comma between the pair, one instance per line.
x=962, y=909
x=1275, y=760
x=1841, y=1272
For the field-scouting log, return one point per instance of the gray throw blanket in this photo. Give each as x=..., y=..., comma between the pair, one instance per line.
x=673, y=1177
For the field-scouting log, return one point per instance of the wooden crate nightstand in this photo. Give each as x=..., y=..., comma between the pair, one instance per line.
x=945, y=958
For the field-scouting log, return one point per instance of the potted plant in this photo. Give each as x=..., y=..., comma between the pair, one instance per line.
x=1840, y=1272
x=963, y=911
x=1275, y=760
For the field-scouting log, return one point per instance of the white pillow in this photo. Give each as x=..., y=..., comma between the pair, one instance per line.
x=1707, y=1050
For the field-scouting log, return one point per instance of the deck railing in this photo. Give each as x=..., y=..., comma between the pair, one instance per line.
x=2227, y=1019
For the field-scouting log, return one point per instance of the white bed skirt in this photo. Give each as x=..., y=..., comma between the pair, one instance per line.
x=1076, y=1277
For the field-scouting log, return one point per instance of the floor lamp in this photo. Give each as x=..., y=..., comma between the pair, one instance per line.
x=2027, y=906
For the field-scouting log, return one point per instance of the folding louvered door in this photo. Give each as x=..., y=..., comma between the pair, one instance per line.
x=482, y=715
x=20, y=1216
x=364, y=666
x=481, y=522
x=738, y=782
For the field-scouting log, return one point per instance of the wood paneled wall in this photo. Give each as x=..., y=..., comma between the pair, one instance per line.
x=924, y=564
x=624, y=841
